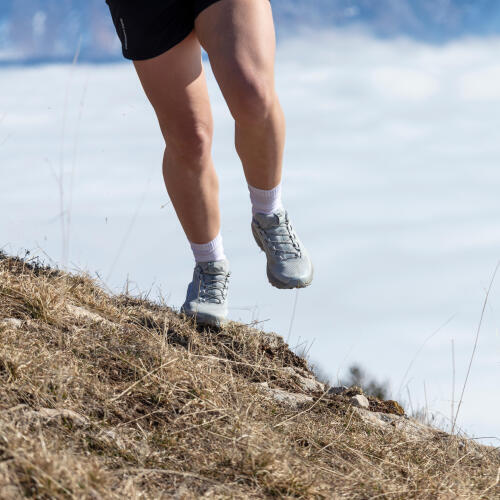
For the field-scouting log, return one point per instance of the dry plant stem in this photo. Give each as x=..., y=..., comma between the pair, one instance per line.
x=419, y=350
x=292, y=319
x=64, y=216
x=44, y=473
x=152, y=372
x=476, y=340
x=74, y=161
x=300, y=413
x=452, y=382
x=497, y=480
x=341, y=434
x=105, y=396
x=173, y=472
x=128, y=232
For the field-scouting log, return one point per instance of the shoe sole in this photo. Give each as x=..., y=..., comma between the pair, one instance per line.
x=275, y=281
x=205, y=319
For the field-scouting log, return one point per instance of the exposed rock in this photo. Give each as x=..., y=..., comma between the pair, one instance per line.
x=290, y=398
x=306, y=382
x=390, y=422
x=310, y=384
x=52, y=413
x=337, y=390
x=82, y=313
x=272, y=339
x=111, y=438
x=360, y=401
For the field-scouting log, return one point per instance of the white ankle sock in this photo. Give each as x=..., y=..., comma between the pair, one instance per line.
x=265, y=201
x=208, y=252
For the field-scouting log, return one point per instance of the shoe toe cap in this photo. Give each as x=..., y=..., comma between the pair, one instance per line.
x=295, y=273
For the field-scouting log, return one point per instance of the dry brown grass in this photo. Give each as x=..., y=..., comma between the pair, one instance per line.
x=115, y=397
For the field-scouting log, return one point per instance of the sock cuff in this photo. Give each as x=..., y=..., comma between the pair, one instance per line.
x=265, y=194
x=265, y=201
x=208, y=252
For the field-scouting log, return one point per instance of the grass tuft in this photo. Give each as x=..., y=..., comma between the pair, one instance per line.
x=117, y=397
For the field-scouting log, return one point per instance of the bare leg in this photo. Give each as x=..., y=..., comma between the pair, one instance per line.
x=176, y=87
x=239, y=38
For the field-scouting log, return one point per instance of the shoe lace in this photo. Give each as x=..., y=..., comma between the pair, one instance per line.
x=282, y=240
x=213, y=287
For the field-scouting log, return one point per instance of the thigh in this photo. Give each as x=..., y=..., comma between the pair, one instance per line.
x=239, y=38
x=175, y=84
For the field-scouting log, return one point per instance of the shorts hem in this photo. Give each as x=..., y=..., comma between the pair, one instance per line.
x=198, y=11
x=208, y=3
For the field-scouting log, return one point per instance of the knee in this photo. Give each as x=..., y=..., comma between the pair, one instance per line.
x=190, y=145
x=253, y=98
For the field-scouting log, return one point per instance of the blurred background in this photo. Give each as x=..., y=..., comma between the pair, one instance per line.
x=391, y=176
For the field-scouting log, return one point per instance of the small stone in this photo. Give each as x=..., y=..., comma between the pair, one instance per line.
x=50, y=413
x=272, y=339
x=354, y=390
x=306, y=383
x=11, y=322
x=84, y=314
x=289, y=398
x=310, y=385
x=109, y=436
x=337, y=390
x=360, y=401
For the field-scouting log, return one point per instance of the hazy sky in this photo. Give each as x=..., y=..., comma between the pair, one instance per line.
x=391, y=178
x=42, y=30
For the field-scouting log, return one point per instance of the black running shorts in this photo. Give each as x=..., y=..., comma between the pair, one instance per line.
x=151, y=27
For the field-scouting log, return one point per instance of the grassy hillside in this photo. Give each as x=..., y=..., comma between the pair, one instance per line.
x=113, y=397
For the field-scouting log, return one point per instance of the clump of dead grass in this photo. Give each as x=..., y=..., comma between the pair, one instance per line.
x=116, y=397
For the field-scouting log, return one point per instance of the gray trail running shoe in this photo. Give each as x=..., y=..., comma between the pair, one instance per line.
x=206, y=298
x=288, y=263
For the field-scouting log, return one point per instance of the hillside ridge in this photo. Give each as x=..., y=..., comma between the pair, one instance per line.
x=112, y=396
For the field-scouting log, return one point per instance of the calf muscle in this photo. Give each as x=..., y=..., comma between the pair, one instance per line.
x=175, y=84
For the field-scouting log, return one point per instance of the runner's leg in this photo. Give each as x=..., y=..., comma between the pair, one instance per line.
x=239, y=38
x=176, y=87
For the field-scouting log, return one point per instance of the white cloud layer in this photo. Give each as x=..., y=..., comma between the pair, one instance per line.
x=392, y=179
